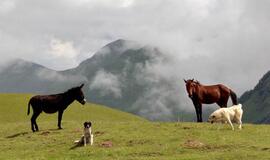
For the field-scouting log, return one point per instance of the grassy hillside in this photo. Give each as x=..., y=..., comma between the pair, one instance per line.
x=131, y=137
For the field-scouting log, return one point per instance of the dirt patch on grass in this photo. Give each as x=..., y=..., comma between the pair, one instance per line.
x=146, y=154
x=260, y=148
x=186, y=127
x=77, y=130
x=138, y=142
x=194, y=144
x=106, y=144
x=265, y=149
x=45, y=133
x=98, y=133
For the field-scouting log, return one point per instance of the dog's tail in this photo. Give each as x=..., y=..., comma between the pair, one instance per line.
x=29, y=104
x=233, y=97
x=240, y=105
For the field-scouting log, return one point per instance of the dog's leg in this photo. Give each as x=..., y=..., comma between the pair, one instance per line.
x=239, y=121
x=240, y=125
x=84, y=140
x=229, y=121
x=91, y=139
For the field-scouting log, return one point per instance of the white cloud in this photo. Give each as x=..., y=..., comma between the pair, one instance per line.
x=107, y=83
x=7, y=6
x=228, y=34
x=101, y=3
x=63, y=49
x=46, y=74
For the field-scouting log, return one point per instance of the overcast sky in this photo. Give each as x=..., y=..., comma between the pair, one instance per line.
x=221, y=41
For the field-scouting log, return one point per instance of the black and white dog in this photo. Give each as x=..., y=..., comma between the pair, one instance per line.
x=87, y=136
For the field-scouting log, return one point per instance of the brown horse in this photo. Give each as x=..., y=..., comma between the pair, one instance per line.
x=200, y=94
x=54, y=103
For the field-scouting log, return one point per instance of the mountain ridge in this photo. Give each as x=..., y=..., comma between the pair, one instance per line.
x=256, y=102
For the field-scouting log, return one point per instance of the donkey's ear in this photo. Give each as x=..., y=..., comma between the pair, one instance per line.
x=81, y=85
x=185, y=80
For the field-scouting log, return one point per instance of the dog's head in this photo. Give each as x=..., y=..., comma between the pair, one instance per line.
x=87, y=124
x=215, y=117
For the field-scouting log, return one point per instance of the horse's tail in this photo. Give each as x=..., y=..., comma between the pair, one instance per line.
x=29, y=104
x=233, y=97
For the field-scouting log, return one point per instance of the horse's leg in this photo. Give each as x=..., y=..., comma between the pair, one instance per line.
x=197, y=110
x=60, y=113
x=222, y=103
x=200, y=112
x=225, y=102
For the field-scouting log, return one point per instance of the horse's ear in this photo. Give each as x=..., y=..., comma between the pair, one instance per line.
x=192, y=79
x=185, y=81
x=81, y=85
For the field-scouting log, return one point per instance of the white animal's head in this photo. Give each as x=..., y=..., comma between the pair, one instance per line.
x=215, y=116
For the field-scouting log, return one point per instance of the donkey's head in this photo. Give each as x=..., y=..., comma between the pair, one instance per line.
x=77, y=93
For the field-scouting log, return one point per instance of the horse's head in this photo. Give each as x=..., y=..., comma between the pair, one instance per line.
x=78, y=94
x=191, y=87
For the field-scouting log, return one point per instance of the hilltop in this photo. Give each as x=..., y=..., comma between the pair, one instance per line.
x=131, y=137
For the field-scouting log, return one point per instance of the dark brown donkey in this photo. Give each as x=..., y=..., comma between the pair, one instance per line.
x=199, y=94
x=54, y=103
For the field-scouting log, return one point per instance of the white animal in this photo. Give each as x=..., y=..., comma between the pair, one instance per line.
x=87, y=136
x=229, y=115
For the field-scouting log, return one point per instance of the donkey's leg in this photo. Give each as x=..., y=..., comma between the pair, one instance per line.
x=36, y=126
x=33, y=121
x=60, y=113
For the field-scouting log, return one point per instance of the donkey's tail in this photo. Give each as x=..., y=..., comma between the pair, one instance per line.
x=233, y=97
x=29, y=104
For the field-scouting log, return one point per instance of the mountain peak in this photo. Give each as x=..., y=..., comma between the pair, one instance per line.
x=256, y=101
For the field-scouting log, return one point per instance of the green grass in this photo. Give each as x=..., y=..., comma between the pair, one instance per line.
x=132, y=137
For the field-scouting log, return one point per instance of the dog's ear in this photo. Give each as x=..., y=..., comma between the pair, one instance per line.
x=90, y=123
x=85, y=124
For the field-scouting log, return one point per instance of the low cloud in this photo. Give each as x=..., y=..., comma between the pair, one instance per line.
x=6, y=6
x=107, y=84
x=165, y=97
x=50, y=75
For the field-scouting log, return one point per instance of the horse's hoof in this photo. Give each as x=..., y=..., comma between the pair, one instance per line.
x=60, y=128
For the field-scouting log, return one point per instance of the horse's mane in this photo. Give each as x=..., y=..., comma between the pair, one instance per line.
x=195, y=81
